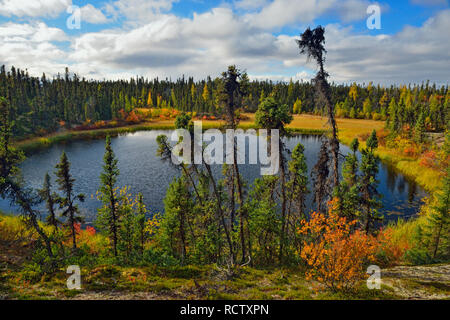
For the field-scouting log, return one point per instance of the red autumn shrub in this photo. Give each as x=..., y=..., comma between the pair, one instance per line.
x=335, y=253
x=429, y=159
x=391, y=250
x=133, y=117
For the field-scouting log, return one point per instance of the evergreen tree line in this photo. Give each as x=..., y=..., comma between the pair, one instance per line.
x=41, y=105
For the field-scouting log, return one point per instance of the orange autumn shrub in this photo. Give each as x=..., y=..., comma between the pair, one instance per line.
x=382, y=136
x=122, y=114
x=429, y=160
x=392, y=248
x=410, y=151
x=100, y=124
x=86, y=238
x=335, y=253
x=133, y=117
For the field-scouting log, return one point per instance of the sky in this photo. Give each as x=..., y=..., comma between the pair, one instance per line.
x=120, y=39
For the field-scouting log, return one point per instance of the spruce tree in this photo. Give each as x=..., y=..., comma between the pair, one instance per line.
x=141, y=210
x=370, y=197
x=349, y=192
x=67, y=201
x=233, y=87
x=264, y=220
x=127, y=226
x=108, y=216
x=438, y=229
x=273, y=115
x=297, y=191
x=419, y=129
x=298, y=182
x=174, y=225
x=51, y=199
x=312, y=43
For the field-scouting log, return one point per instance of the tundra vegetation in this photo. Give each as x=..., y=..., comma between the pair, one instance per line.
x=220, y=238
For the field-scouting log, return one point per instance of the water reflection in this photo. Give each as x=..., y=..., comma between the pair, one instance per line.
x=144, y=172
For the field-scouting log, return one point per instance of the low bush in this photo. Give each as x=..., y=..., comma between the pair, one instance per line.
x=335, y=253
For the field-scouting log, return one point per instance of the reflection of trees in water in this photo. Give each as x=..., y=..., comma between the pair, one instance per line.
x=412, y=191
x=401, y=186
x=391, y=179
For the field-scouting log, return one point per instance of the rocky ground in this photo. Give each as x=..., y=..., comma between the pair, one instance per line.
x=419, y=282
x=401, y=282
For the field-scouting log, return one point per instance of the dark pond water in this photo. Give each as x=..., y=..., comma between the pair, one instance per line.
x=144, y=172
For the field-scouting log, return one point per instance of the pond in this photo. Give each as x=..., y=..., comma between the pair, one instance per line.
x=143, y=171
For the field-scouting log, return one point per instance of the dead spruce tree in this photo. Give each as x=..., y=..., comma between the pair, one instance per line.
x=312, y=43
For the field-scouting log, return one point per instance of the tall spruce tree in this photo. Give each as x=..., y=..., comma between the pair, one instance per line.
x=370, y=196
x=297, y=191
x=312, y=44
x=51, y=199
x=349, y=192
x=419, y=129
x=108, y=215
x=67, y=202
x=232, y=90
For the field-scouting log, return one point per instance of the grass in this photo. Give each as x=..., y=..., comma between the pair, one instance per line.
x=301, y=124
x=248, y=284
x=171, y=282
x=155, y=282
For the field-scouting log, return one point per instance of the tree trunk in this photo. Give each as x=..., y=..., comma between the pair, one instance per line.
x=283, y=201
x=183, y=239
x=242, y=213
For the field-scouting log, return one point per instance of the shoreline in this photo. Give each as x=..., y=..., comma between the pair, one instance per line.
x=428, y=179
x=32, y=145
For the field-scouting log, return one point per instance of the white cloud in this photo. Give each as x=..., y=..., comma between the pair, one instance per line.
x=170, y=46
x=36, y=32
x=413, y=55
x=93, y=15
x=33, y=8
x=301, y=76
x=30, y=46
x=280, y=13
x=139, y=12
